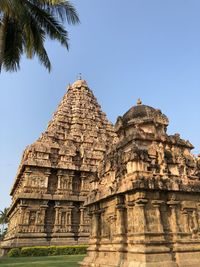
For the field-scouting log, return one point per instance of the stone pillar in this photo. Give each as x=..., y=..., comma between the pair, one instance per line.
x=186, y=221
x=59, y=182
x=157, y=204
x=47, y=174
x=69, y=218
x=82, y=226
x=43, y=213
x=140, y=215
x=96, y=231
x=121, y=224
x=130, y=216
x=173, y=218
x=120, y=219
x=57, y=219
x=83, y=181
x=70, y=182
x=96, y=224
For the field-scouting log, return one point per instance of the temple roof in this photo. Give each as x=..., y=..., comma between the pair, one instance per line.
x=146, y=157
x=76, y=137
x=144, y=113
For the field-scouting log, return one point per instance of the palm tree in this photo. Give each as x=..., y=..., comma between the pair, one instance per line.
x=3, y=233
x=3, y=220
x=26, y=24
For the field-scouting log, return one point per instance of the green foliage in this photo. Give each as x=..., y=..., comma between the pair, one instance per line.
x=3, y=216
x=3, y=222
x=46, y=261
x=14, y=252
x=34, y=251
x=3, y=232
x=47, y=251
x=25, y=25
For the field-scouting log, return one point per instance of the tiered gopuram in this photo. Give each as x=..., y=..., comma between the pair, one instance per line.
x=56, y=172
x=145, y=208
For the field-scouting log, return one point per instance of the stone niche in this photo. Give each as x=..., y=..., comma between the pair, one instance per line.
x=145, y=207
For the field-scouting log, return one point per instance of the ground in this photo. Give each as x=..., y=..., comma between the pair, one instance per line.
x=51, y=261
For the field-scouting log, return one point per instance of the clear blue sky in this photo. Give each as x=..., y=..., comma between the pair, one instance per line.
x=125, y=50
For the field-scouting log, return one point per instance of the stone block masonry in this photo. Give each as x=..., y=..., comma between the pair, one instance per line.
x=145, y=207
x=55, y=174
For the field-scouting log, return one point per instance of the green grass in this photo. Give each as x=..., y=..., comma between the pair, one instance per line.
x=48, y=261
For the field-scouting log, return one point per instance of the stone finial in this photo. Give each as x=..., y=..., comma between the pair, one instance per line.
x=79, y=76
x=139, y=102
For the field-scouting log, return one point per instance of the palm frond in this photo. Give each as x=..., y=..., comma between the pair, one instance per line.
x=30, y=23
x=14, y=48
x=62, y=9
x=3, y=216
x=35, y=44
x=6, y=7
x=48, y=23
x=43, y=57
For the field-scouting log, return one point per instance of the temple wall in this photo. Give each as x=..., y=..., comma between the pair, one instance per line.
x=129, y=230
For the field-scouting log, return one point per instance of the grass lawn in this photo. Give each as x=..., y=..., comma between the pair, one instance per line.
x=50, y=261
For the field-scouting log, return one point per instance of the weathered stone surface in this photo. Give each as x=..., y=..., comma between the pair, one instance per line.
x=145, y=206
x=55, y=174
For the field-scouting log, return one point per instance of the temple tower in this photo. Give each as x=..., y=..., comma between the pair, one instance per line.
x=55, y=174
x=145, y=208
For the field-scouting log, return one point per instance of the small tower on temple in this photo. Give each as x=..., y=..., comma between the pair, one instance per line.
x=145, y=210
x=55, y=174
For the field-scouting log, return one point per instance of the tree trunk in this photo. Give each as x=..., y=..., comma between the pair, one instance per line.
x=3, y=29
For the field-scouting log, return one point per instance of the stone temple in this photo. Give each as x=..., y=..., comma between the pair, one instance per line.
x=145, y=207
x=56, y=172
x=135, y=188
